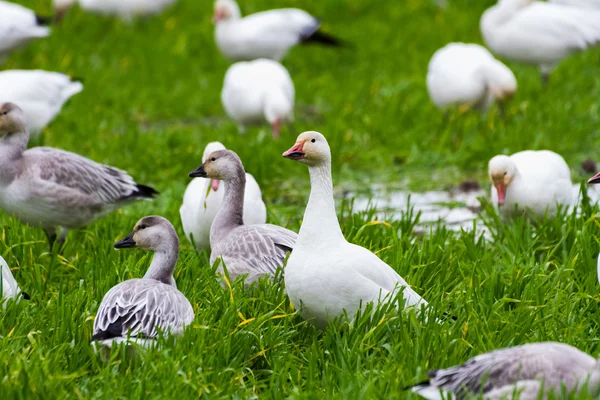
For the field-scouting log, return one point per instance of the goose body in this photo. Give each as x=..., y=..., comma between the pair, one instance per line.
x=259, y=91
x=251, y=250
x=124, y=9
x=40, y=94
x=203, y=199
x=268, y=34
x=530, y=370
x=533, y=182
x=52, y=188
x=138, y=309
x=18, y=26
x=325, y=274
x=467, y=74
x=539, y=33
x=10, y=288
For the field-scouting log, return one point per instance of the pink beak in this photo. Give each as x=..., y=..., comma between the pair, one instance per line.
x=501, y=189
x=219, y=15
x=276, y=126
x=595, y=178
x=215, y=184
x=296, y=152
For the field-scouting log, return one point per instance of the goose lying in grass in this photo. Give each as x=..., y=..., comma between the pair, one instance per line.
x=531, y=182
x=326, y=274
x=268, y=34
x=137, y=309
x=252, y=250
x=40, y=94
x=531, y=370
x=258, y=91
x=124, y=9
x=19, y=26
x=467, y=74
x=539, y=33
x=203, y=198
x=55, y=189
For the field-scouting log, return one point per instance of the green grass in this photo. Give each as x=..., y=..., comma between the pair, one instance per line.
x=151, y=103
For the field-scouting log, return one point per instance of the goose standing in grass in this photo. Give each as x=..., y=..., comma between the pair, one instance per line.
x=138, y=309
x=55, y=189
x=124, y=9
x=268, y=34
x=539, y=33
x=10, y=288
x=252, y=250
x=40, y=94
x=203, y=199
x=532, y=182
x=326, y=274
x=468, y=74
x=258, y=91
x=19, y=26
x=530, y=370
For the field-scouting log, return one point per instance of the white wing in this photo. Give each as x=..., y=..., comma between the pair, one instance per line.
x=10, y=288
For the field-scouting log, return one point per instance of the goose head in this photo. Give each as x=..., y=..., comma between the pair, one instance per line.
x=226, y=10
x=501, y=81
x=502, y=171
x=211, y=148
x=13, y=126
x=277, y=110
x=153, y=233
x=61, y=7
x=223, y=165
x=311, y=148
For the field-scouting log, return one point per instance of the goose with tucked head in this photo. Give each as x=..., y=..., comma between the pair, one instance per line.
x=138, y=309
x=19, y=26
x=245, y=250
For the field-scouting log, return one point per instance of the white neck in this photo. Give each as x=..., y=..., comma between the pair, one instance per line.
x=497, y=16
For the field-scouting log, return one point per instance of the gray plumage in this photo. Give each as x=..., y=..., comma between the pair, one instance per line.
x=526, y=370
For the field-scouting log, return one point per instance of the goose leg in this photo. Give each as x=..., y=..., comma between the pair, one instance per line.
x=51, y=235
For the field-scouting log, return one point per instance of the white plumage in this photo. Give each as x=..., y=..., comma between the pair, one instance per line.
x=258, y=91
x=579, y=3
x=201, y=202
x=467, y=74
x=10, y=288
x=18, y=26
x=124, y=9
x=40, y=94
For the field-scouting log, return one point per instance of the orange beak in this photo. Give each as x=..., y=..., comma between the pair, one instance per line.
x=501, y=189
x=215, y=184
x=219, y=15
x=595, y=178
x=296, y=152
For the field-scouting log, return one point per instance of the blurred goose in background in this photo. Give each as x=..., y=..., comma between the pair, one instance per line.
x=579, y=3
x=326, y=274
x=539, y=33
x=535, y=182
x=124, y=9
x=530, y=370
x=138, y=309
x=267, y=34
x=203, y=199
x=468, y=74
x=55, y=189
x=258, y=91
x=19, y=26
x=40, y=94
x=10, y=288
x=252, y=250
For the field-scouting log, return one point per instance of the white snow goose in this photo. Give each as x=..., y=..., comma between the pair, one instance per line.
x=203, y=198
x=530, y=182
x=468, y=75
x=539, y=33
x=534, y=371
x=326, y=274
x=138, y=309
x=55, y=189
x=124, y=9
x=258, y=91
x=267, y=34
x=19, y=26
x=251, y=250
x=40, y=94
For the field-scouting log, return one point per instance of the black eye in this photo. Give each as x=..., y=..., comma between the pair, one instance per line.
x=143, y=226
x=313, y=140
x=505, y=172
x=4, y=112
x=213, y=159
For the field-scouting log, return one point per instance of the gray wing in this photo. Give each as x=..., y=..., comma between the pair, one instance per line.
x=142, y=307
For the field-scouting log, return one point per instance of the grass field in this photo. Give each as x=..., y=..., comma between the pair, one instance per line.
x=152, y=101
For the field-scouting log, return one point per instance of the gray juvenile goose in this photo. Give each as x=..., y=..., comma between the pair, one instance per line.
x=255, y=250
x=134, y=309
x=52, y=188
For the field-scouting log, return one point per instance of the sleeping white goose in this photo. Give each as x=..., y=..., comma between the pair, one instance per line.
x=19, y=26
x=10, y=288
x=138, y=309
x=251, y=250
x=124, y=9
x=539, y=33
x=203, y=199
x=55, y=189
x=40, y=94
x=468, y=74
x=535, y=371
x=326, y=274
x=532, y=182
x=258, y=91
x=268, y=34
